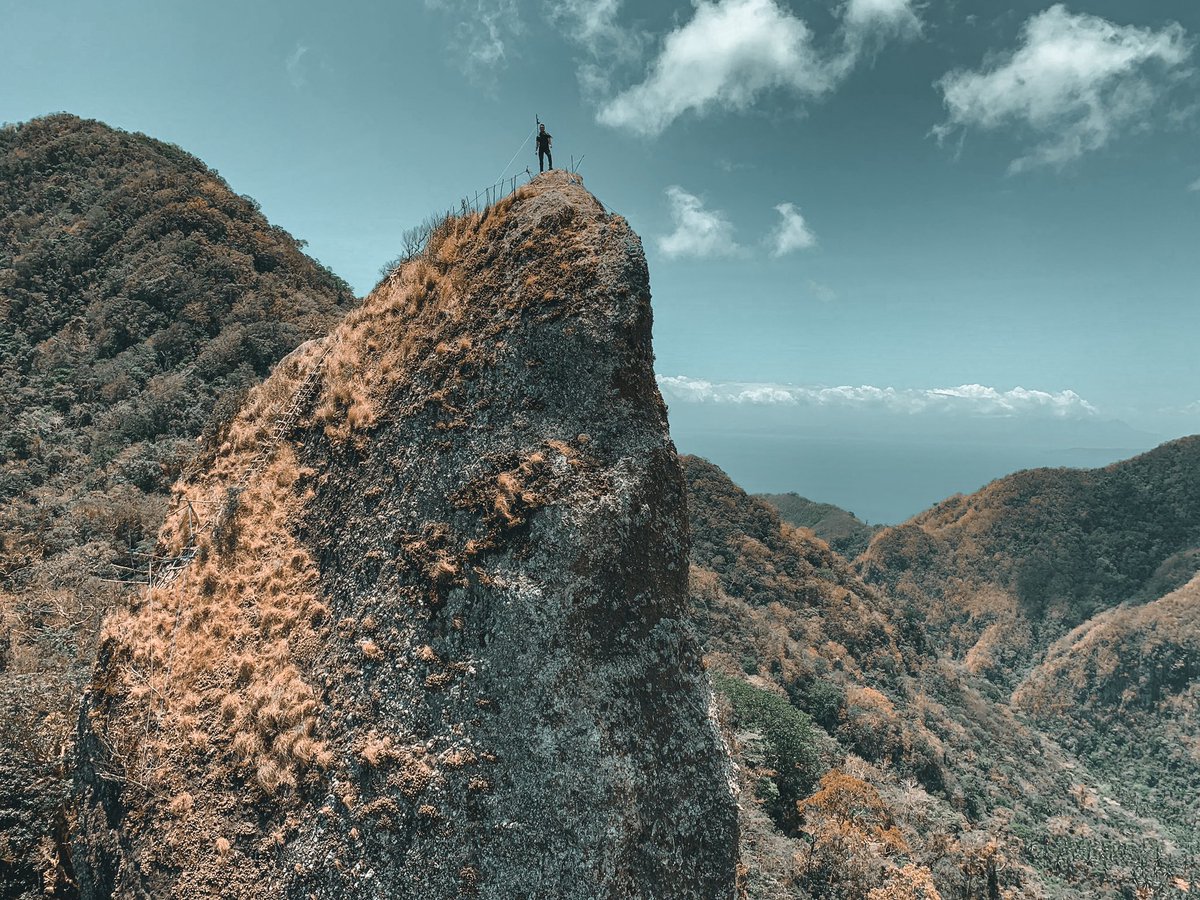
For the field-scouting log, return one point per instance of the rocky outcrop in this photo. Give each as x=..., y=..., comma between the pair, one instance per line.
x=434, y=645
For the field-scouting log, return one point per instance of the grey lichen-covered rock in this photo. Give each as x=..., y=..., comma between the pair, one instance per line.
x=437, y=645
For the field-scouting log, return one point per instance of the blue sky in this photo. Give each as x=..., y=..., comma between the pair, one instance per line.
x=863, y=217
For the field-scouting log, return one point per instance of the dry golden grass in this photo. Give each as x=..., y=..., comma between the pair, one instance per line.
x=406, y=315
x=214, y=660
x=410, y=770
x=514, y=494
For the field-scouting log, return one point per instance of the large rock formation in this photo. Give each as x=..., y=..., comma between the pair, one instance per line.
x=433, y=642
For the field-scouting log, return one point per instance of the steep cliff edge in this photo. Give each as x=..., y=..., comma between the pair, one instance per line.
x=434, y=645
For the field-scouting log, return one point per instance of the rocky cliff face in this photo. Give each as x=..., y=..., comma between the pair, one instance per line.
x=434, y=645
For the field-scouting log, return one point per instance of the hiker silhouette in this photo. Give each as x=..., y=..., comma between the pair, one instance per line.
x=544, y=143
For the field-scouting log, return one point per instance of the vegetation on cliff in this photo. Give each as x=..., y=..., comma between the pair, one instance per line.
x=140, y=298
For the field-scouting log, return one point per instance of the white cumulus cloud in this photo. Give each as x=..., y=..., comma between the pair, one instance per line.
x=967, y=399
x=594, y=26
x=486, y=32
x=728, y=54
x=887, y=15
x=732, y=52
x=699, y=231
x=791, y=232
x=822, y=292
x=1075, y=82
x=592, y=23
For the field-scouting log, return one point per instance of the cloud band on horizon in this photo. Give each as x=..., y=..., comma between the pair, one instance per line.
x=966, y=399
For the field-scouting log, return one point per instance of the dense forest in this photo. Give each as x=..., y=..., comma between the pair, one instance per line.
x=1123, y=692
x=140, y=298
x=876, y=763
x=1044, y=551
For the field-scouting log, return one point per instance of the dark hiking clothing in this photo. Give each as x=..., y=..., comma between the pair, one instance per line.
x=543, y=142
x=544, y=156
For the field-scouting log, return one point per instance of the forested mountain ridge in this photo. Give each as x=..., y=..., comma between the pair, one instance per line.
x=140, y=298
x=1123, y=692
x=841, y=529
x=999, y=574
x=1076, y=590
x=911, y=774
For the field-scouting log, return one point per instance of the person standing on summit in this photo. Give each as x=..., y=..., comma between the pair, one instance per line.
x=544, y=143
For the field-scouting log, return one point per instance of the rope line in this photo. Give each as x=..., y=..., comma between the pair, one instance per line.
x=514, y=156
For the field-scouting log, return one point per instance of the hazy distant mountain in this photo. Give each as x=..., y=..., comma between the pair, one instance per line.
x=888, y=465
x=842, y=530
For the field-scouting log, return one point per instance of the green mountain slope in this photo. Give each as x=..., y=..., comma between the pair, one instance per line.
x=842, y=530
x=912, y=771
x=140, y=298
x=1000, y=574
x=1123, y=691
